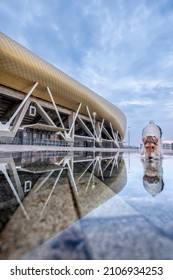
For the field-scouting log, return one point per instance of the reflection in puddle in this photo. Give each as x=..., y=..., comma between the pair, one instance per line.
x=43, y=193
x=153, y=176
x=85, y=206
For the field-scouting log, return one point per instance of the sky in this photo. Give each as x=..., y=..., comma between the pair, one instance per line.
x=121, y=49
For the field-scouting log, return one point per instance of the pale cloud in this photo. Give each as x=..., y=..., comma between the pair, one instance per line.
x=137, y=102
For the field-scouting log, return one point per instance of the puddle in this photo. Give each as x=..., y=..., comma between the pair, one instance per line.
x=85, y=206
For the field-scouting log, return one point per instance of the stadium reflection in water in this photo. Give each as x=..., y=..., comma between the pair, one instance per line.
x=53, y=190
x=84, y=206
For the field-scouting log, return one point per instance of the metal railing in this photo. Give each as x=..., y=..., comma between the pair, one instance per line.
x=51, y=142
x=30, y=141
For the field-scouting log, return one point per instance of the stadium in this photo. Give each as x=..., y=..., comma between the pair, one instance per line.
x=41, y=105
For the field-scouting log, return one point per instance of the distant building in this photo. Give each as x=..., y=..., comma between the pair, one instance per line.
x=167, y=144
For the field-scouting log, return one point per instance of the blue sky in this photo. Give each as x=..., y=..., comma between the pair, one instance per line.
x=121, y=49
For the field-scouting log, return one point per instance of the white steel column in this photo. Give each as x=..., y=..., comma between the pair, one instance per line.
x=56, y=109
x=100, y=134
x=3, y=168
x=91, y=120
x=21, y=105
x=115, y=138
x=71, y=118
x=19, y=118
x=83, y=125
x=51, y=192
x=95, y=138
x=43, y=114
x=96, y=125
x=68, y=134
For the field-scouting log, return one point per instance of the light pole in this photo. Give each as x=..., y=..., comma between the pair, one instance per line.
x=94, y=115
x=129, y=137
x=129, y=148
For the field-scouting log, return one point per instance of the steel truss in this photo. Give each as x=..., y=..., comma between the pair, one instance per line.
x=72, y=129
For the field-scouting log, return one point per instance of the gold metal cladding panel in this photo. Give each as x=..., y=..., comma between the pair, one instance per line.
x=20, y=69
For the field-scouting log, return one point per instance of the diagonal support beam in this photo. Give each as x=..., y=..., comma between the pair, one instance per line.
x=68, y=135
x=107, y=133
x=112, y=131
x=51, y=192
x=83, y=125
x=115, y=138
x=92, y=174
x=101, y=128
x=14, y=173
x=44, y=180
x=19, y=118
x=88, y=166
x=4, y=171
x=21, y=105
x=68, y=161
x=91, y=120
x=44, y=115
x=56, y=109
x=107, y=164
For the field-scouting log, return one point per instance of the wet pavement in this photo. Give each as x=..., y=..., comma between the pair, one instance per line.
x=84, y=205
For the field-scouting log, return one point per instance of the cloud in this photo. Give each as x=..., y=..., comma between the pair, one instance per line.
x=120, y=49
x=137, y=102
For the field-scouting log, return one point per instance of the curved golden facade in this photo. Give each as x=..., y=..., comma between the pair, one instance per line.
x=20, y=69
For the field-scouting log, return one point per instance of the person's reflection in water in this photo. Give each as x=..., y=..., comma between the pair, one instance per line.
x=153, y=176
